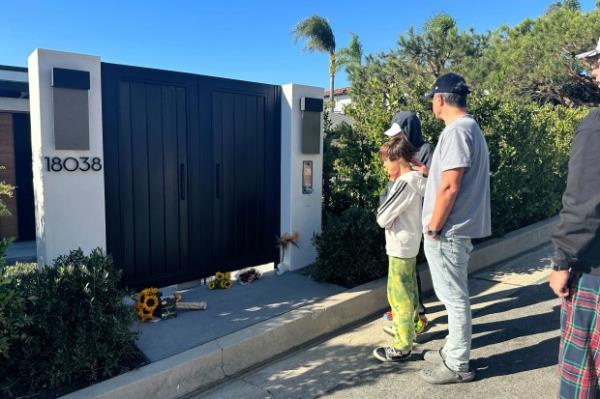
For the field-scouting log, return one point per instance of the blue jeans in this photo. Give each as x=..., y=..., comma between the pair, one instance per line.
x=448, y=259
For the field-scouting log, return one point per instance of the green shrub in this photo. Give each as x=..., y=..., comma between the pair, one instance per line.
x=529, y=152
x=350, y=177
x=351, y=249
x=63, y=326
x=4, y=244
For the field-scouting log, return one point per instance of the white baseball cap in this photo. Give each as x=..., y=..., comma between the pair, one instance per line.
x=591, y=53
x=393, y=130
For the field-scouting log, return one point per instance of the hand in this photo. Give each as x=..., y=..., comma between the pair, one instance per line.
x=559, y=283
x=420, y=167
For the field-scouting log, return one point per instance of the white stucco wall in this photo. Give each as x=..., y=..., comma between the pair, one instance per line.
x=341, y=101
x=69, y=206
x=299, y=212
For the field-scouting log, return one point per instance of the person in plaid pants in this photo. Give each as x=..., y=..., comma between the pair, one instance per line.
x=576, y=262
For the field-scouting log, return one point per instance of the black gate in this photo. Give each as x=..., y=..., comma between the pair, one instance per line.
x=192, y=169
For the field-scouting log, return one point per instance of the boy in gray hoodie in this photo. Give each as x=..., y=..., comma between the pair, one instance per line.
x=400, y=215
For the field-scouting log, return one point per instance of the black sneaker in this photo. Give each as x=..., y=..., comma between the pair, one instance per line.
x=389, y=354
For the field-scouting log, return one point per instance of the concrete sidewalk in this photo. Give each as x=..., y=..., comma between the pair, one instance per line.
x=225, y=358
x=515, y=346
x=229, y=311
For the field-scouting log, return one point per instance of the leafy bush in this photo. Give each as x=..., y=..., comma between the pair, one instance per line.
x=6, y=190
x=349, y=175
x=63, y=326
x=529, y=151
x=4, y=244
x=351, y=249
x=528, y=138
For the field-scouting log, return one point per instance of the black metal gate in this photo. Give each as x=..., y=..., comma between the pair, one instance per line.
x=192, y=169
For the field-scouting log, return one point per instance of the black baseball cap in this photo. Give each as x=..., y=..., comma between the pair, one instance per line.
x=449, y=83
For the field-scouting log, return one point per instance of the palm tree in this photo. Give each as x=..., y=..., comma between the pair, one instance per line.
x=319, y=37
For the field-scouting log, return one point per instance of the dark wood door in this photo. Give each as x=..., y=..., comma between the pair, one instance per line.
x=191, y=173
x=246, y=165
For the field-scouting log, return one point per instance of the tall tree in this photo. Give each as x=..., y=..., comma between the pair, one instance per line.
x=319, y=37
x=439, y=45
x=351, y=56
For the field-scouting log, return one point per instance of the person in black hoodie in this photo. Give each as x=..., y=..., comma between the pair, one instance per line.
x=575, y=275
x=408, y=123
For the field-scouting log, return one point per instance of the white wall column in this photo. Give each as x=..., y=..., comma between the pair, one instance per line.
x=68, y=184
x=300, y=212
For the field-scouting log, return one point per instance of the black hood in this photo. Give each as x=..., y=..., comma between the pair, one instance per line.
x=411, y=125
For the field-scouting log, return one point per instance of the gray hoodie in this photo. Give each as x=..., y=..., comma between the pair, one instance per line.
x=400, y=214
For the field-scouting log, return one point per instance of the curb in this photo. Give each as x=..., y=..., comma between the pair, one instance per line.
x=211, y=363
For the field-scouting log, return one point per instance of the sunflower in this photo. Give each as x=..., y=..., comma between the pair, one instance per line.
x=147, y=301
x=211, y=285
x=227, y=275
x=226, y=284
x=219, y=275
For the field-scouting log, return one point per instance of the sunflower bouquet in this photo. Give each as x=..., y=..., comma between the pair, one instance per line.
x=220, y=280
x=146, y=303
x=150, y=304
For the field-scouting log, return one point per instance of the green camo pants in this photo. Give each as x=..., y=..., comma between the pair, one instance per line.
x=403, y=298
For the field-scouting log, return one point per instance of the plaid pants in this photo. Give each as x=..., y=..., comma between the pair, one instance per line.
x=579, y=355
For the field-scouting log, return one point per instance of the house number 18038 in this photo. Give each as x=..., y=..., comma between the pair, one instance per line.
x=71, y=164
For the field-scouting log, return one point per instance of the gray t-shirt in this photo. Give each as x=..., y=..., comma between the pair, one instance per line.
x=462, y=145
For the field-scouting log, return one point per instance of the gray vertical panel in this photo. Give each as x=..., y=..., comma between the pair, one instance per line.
x=71, y=119
x=169, y=107
x=182, y=129
x=126, y=180
x=311, y=132
x=140, y=177
x=156, y=189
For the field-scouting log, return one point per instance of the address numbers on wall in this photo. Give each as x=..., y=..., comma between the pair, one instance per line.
x=72, y=164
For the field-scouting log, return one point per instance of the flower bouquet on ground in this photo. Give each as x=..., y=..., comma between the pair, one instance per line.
x=283, y=243
x=150, y=305
x=247, y=276
x=220, y=280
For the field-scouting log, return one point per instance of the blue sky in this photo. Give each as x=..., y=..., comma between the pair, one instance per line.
x=248, y=40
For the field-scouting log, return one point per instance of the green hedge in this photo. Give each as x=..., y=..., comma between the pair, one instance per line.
x=63, y=326
x=351, y=249
x=529, y=151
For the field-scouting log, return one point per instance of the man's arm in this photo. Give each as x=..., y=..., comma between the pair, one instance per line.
x=445, y=197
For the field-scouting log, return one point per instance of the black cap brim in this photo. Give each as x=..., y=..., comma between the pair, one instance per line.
x=429, y=95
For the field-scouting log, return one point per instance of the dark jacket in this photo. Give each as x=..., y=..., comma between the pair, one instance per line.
x=577, y=236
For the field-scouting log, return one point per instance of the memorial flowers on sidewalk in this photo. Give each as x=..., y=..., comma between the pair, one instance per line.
x=283, y=243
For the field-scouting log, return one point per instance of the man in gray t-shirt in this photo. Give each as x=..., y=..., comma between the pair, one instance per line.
x=456, y=209
x=462, y=145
